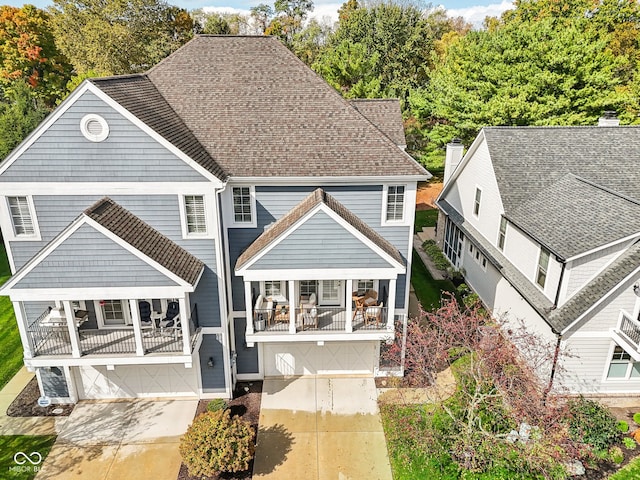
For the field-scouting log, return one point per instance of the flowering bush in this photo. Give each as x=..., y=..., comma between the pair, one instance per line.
x=217, y=442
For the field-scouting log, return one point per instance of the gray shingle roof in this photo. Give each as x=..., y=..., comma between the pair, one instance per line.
x=146, y=239
x=533, y=162
x=139, y=96
x=315, y=198
x=573, y=215
x=259, y=111
x=385, y=114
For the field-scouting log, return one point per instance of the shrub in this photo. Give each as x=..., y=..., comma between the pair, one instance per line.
x=592, y=423
x=217, y=404
x=216, y=442
x=616, y=455
x=434, y=252
x=623, y=426
x=629, y=443
x=636, y=418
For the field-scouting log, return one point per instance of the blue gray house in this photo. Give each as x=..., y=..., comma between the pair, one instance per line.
x=225, y=216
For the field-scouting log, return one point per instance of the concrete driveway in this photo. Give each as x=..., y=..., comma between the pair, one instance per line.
x=321, y=428
x=120, y=440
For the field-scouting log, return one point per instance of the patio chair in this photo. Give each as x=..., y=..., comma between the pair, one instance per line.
x=373, y=314
x=145, y=313
x=171, y=319
x=307, y=320
x=309, y=303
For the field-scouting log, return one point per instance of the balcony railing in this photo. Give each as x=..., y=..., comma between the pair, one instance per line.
x=631, y=330
x=319, y=319
x=55, y=340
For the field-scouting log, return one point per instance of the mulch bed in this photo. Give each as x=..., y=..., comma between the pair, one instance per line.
x=246, y=404
x=26, y=404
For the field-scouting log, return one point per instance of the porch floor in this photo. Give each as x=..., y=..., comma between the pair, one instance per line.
x=328, y=320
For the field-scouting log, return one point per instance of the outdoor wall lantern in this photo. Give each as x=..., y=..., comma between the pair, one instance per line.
x=210, y=362
x=636, y=289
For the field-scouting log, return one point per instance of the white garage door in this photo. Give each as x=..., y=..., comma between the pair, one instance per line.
x=310, y=359
x=135, y=381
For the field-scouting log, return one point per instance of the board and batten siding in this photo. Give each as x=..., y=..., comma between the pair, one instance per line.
x=213, y=378
x=320, y=243
x=63, y=154
x=162, y=212
x=272, y=202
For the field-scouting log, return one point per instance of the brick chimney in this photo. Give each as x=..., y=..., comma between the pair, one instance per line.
x=455, y=151
x=609, y=119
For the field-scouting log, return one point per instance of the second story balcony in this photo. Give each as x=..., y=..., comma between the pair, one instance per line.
x=627, y=334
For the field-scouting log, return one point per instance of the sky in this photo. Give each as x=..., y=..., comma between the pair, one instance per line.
x=474, y=11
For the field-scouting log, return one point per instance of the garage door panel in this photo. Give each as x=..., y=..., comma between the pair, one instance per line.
x=334, y=358
x=135, y=381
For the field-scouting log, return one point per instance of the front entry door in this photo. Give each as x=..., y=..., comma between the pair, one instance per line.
x=331, y=293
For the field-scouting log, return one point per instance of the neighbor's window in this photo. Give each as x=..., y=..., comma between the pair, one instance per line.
x=502, y=233
x=395, y=203
x=476, y=203
x=622, y=365
x=195, y=214
x=543, y=265
x=242, y=204
x=21, y=217
x=273, y=288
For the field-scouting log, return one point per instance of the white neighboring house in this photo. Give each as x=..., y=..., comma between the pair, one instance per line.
x=545, y=222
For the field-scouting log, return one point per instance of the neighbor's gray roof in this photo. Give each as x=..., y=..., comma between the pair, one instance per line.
x=573, y=216
x=385, y=114
x=139, y=96
x=289, y=219
x=146, y=239
x=531, y=165
x=260, y=111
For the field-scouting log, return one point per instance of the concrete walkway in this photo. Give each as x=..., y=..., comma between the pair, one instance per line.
x=321, y=428
x=435, y=273
x=24, y=425
x=111, y=440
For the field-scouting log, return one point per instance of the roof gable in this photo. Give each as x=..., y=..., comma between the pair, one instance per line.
x=268, y=114
x=322, y=232
x=59, y=152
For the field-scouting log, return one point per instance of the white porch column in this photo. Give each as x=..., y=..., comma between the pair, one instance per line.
x=22, y=328
x=349, y=312
x=248, y=307
x=137, y=329
x=184, y=322
x=391, y=305
x=73, y=331
x=292, y=306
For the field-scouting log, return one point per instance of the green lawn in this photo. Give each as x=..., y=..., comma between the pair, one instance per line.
x=428, y=290
x=10, y=445
x=425, y=218
x=10, y=345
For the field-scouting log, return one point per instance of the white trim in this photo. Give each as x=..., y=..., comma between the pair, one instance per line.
x=319, y=336
x=84, y=123
x=105, y=188
x=395, y=266
x=633, y=236
x=406, y=220
x=93, y=293
x=320, y=274
x=6, y=220
x=87, y=86
x=209, y=214
x=7, y=245
x=601, y=299
x=21, y=316
x=102, y=360
x=230, y=219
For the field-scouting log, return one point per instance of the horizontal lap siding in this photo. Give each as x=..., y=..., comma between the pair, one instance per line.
x=89, y=259
x=162, y=212
x=247, y=358
x=320, y=243
x=212, y=378
x=54, y=382
x=365, y=201
x=63, y=154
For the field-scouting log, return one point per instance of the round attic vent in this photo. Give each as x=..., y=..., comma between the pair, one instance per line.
x=94, y=128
